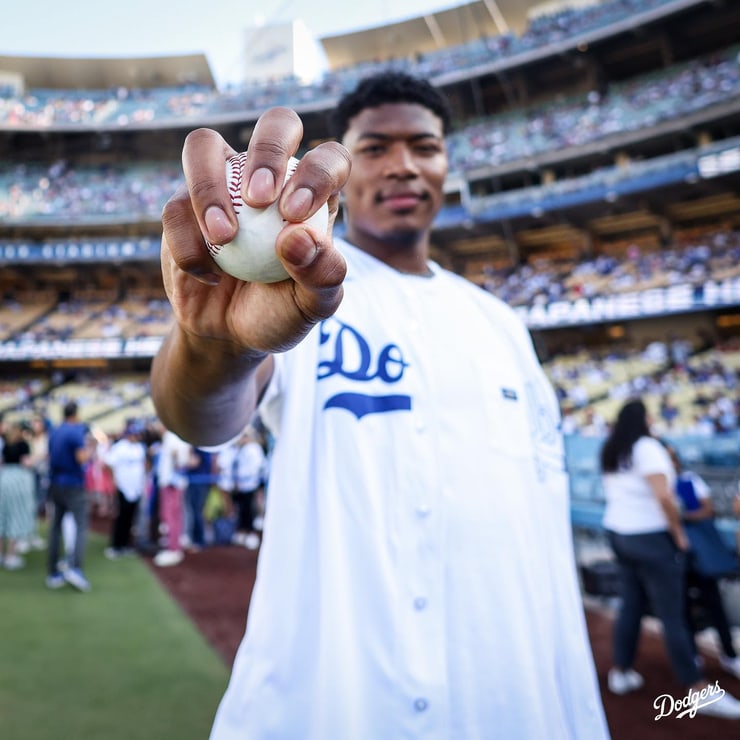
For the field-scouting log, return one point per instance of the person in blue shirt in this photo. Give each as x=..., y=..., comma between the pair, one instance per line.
x=69, y=450
x=200, y=477
x=695, y=497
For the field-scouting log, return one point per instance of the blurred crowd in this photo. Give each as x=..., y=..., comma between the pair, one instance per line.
x=691, y=391
x=695, y=258
x=72, y=193
x=151, y=491
x=84, y=315
x=630, y=106
x=63, y=191
x=126, y=107
x=708, y=255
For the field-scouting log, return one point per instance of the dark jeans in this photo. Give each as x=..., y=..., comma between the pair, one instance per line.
x=195, y=498
x=122, y=524
x=74, y=500
x=653, y=571
x=244, y=502
x=710, y=599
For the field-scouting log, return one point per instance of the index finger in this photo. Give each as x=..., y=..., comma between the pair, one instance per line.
x=203, y=155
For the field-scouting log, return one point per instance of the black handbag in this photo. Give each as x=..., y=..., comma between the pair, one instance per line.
x=709, y=556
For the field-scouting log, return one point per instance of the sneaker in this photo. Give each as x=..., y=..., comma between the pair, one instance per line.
x=622, y=682
x=728, y=707
x=74, y=577
x=258, y=523
x=23, y=547
x=252, y=541
x=731, y=665
x=111, y=553
x=13, y=562
x=55, y=581
x=167, y=558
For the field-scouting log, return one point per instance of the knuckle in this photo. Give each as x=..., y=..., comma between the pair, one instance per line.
x=333, y=161
x=172, y=211
x=338, y=151
x=276, y=134
x=204, y=190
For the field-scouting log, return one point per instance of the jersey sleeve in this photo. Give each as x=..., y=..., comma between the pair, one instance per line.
x=270, y=405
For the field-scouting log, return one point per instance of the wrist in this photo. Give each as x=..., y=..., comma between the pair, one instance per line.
x=213, y=351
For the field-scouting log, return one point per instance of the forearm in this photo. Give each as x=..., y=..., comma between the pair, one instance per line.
x=675, y=524
x=667, y=502
x=698, y=515
x=205, y=391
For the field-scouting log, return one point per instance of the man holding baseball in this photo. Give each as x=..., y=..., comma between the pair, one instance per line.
x=416, y=578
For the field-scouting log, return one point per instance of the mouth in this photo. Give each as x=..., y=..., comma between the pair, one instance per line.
x=401, y=202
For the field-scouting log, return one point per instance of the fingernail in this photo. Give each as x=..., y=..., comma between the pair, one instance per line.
x=298, y=204
x=261, y=188
x=218, y=226
x=300, y=249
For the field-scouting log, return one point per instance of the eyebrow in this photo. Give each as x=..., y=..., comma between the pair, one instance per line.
x=388, y=137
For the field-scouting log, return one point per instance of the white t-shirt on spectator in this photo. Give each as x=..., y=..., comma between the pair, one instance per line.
x=225, y=466
x=173, y=458
x=127, y=460
x=249, y=467
x=631, y=505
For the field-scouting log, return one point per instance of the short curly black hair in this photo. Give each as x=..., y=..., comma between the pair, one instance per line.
x=388, y=87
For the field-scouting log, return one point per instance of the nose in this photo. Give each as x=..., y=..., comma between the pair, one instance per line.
x=400, y=162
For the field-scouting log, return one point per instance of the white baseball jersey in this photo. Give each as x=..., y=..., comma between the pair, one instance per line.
x=416, y=578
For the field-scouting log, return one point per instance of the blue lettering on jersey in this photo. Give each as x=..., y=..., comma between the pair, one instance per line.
x=343, y=342
x=361, y=404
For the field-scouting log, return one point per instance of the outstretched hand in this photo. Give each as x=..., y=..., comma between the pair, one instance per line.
x=211, y=305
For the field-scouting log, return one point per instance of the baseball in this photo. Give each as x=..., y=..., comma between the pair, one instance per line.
x=251, y=255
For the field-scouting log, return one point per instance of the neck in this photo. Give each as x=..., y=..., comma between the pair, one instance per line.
x=408, y=255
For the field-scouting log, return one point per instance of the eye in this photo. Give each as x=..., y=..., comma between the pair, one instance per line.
x=373, y=149
x=428, y=148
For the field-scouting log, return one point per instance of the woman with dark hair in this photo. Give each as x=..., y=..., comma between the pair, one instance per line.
x=645, y=530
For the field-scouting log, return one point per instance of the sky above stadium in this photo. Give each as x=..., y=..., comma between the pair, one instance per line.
x=89, y=28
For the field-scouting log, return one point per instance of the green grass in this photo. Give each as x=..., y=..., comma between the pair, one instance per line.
x=121, y=662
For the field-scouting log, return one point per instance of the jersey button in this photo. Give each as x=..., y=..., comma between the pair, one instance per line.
x=421, y=705
x=420, y=603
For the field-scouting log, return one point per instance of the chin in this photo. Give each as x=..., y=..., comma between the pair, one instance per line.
x=404, y=237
